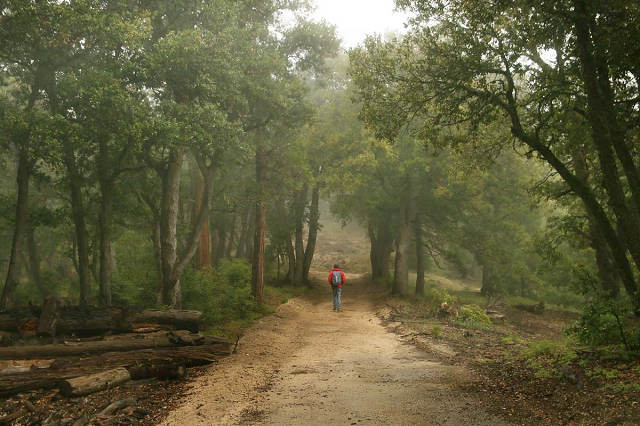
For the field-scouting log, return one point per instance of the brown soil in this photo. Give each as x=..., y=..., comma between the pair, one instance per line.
x=308, y=365
x=511, y=386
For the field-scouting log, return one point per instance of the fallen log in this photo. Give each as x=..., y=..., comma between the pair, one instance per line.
x=23, y=366
x=161, y=369
x=85, y=385
x=89, y=320
x=181, y=319
x=68, y=368
x=10, y=320
x=116, y=406
x=56, y=319
x=122, y=345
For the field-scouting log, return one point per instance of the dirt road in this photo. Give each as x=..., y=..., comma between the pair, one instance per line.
x=308, y=365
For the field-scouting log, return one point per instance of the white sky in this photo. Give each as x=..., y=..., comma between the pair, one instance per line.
x=355, y=19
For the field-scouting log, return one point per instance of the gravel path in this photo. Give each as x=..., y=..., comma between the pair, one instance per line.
x=308, y=365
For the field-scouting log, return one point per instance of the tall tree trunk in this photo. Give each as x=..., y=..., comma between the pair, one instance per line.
x=601, y=109
x=173, y=265
x=291, y=260
x=79, y=220
x=488, y=287
x=157, y=250
x=257, y=282
x=23, y=176
x=105, y=236
x=403, y=239
x=298, y=214
x=380, y=253
x=417, y=226
x=203, y=254
x=21, y=223
x=257, y=264
x=314, y=226
x=77, y=202
x=401, y=271
x=168, y=227
x=607, y=136
x=592, y=205
x=607, y=273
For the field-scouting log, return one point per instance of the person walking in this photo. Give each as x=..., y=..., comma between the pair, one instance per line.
x=336, y=279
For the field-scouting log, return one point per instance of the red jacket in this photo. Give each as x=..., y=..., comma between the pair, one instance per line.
x=341, y=274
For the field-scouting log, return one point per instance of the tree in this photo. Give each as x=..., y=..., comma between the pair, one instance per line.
x=200, y=111
x=465, y=66
x=278, y=105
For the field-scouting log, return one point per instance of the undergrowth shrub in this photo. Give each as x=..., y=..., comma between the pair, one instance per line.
x=546, y=358
x=566, y=298
x=434, y=297
x=605, y=320
x=473, y=316
x=436, y=331
x=223, y=295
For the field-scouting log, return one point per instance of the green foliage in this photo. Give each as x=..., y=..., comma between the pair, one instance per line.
x=474, y=317
x=546, y=357
x=223, y=294
x=623, y=387
x=562, y=351
x=487, y=86
x=605, y=320
x=436, y=331
x=560, y=296
x=103, y=98
x=602, y=372
x=513, y=340
x=135, y=279
x=434, y=297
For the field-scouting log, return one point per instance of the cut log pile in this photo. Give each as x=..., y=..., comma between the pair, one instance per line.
x=54, y=318
x=118, y=345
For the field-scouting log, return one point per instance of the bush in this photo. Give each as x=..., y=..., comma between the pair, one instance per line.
x=436, y=331
x=434, y=297
x=546, y=358
x=222, y=295
x=473, y=316
x=605, y=320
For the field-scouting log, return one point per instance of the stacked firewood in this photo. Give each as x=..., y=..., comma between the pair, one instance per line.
x=81, y=351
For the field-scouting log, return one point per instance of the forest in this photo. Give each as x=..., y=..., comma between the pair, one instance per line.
x=183, y=156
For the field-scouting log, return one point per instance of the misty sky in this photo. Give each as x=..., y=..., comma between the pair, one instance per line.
x=356, y=19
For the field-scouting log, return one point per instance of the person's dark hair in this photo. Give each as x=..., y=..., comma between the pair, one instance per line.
x=336, y=266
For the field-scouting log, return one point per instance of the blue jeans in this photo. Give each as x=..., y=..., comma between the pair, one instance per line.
x=336, y=297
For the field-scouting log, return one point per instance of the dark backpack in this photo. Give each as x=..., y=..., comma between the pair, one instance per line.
x=336, y=278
